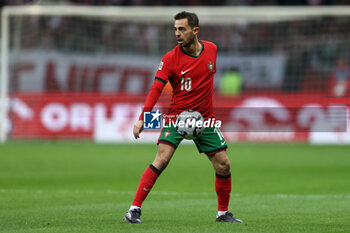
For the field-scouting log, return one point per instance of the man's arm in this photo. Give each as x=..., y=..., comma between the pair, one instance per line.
x=151, y=100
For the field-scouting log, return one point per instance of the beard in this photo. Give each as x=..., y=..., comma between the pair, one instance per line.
x=189, y=42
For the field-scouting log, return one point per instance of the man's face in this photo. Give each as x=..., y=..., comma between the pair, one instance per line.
x=185, y=35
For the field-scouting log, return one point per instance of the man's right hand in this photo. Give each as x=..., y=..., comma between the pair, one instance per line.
x=138, y=127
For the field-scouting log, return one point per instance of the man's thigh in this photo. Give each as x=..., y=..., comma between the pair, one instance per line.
x=170, y=137
x=211, y=141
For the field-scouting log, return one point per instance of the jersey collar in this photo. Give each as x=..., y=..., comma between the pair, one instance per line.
x=191, y=54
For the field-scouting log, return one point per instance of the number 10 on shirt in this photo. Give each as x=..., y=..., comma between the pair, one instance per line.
x=186, y=83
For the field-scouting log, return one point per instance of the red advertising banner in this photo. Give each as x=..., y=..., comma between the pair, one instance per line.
x=110, y=118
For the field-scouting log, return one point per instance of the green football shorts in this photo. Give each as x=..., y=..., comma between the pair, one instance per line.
x=210, y=142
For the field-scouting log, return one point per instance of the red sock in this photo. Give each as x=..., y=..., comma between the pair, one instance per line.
x=223, y=190
x=147, y=181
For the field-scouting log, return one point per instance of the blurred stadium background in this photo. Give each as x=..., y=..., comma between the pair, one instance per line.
x=82, y=69
x=77, y=72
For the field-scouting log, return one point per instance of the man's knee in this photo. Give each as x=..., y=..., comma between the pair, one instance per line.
x=163, y=157
x=222, y=163
x=224, y=167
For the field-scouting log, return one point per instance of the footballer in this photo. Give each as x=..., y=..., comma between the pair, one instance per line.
x=190, y=69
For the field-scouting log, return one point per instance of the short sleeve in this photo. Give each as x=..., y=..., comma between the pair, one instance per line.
x=165, y=69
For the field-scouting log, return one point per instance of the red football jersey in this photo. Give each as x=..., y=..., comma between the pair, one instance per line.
x=192, y=79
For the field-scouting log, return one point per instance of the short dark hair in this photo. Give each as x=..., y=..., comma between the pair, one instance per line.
x=192, y=18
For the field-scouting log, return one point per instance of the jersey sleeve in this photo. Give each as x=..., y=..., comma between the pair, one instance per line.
x=165, y=68
x=216, y=53
x=152, y=97
x=162, y=76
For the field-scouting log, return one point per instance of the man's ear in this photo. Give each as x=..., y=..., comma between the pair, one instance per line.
x=196, y=30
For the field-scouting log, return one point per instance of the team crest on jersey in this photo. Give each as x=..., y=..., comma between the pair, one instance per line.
x=210, y=67
x=161, y=65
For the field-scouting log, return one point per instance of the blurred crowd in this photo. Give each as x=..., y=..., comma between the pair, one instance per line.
x=316, y=49
x=313, y=47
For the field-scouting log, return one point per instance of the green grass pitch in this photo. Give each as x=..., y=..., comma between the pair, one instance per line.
x=84, y=187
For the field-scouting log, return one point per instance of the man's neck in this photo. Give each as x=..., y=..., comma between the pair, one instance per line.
x=194, y=49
